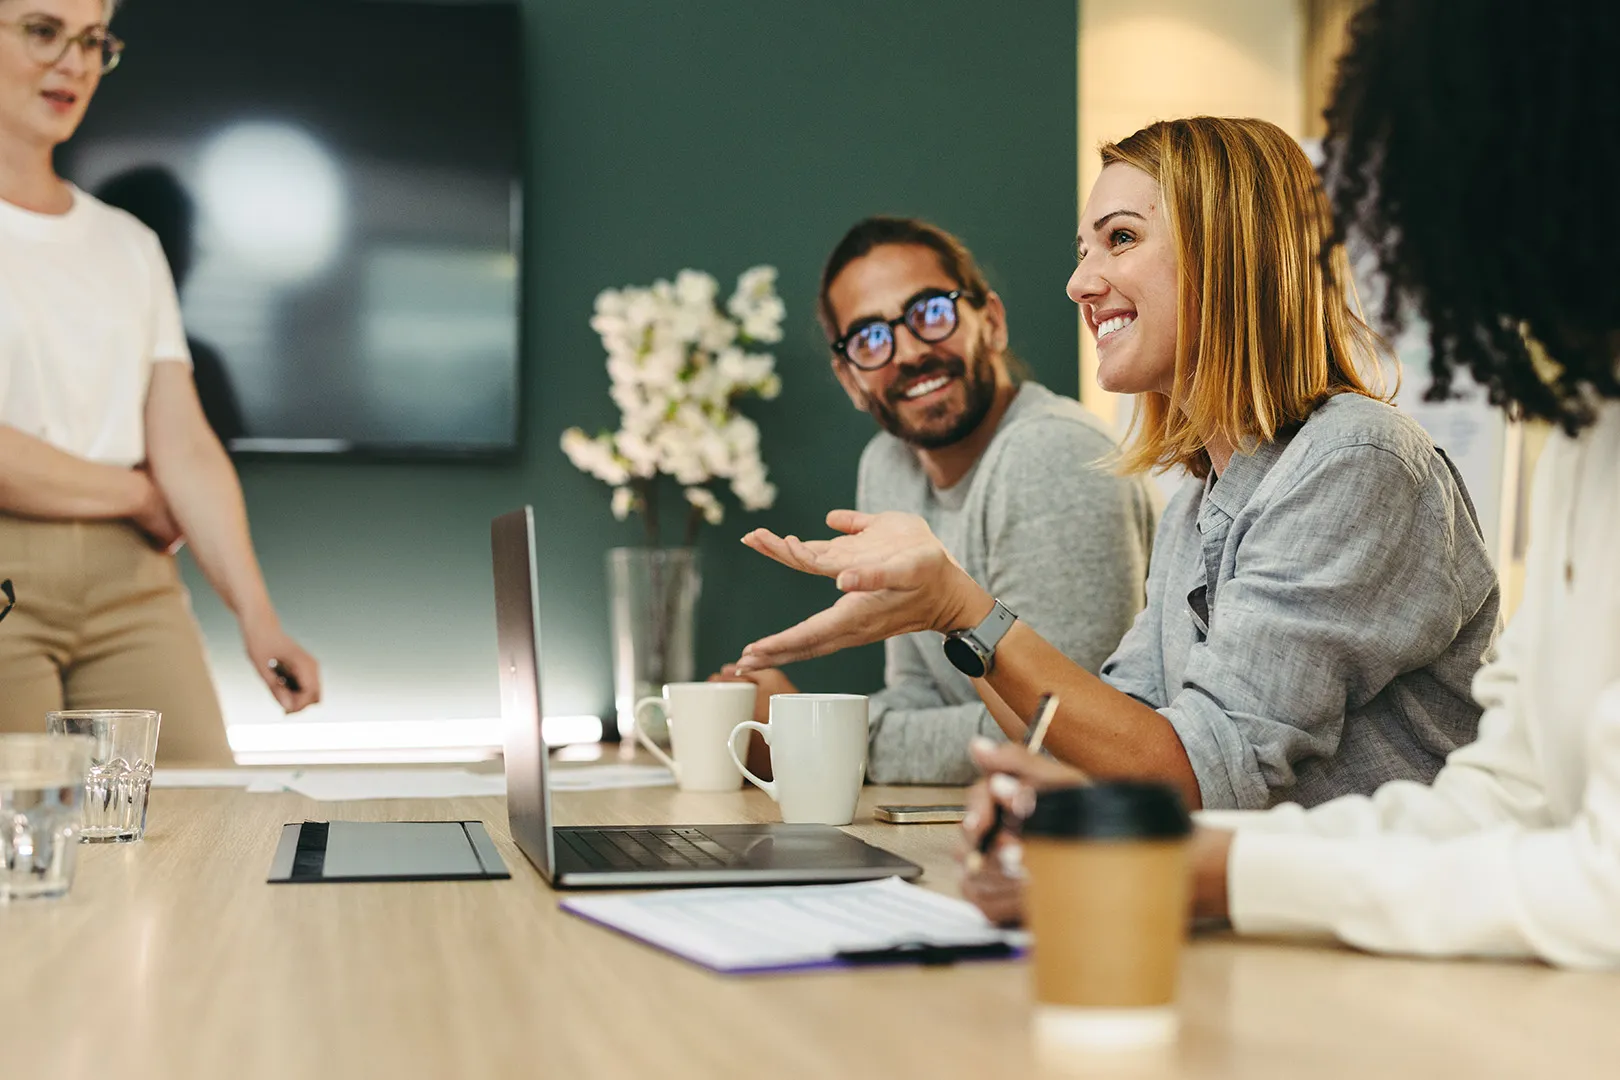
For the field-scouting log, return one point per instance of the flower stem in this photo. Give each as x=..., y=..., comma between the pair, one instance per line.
x=648, y=489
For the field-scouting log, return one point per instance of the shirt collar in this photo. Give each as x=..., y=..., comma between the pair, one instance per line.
x=1242, y=477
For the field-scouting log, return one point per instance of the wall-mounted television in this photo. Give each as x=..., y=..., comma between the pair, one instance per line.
x=338, y=184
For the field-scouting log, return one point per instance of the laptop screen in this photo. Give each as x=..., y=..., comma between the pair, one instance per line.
x=517, y=639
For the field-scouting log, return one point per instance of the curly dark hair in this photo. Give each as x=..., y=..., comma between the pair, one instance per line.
x=1473, y=146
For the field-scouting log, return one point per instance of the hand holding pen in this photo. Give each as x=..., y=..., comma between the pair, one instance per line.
x=1013, y=774
x=1034, y=736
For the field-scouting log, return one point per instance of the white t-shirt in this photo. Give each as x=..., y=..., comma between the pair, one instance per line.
x=87, y=305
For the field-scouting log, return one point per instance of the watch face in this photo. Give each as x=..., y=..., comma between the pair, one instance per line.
x=965, y=657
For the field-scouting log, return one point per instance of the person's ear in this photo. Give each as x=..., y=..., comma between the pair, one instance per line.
x=850, y=381
x=995, y=314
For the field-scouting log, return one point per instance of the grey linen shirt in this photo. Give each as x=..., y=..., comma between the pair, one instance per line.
x=1042, y=525
x=1315, y=616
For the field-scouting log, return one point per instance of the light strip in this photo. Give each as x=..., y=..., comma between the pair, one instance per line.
x=392, y=740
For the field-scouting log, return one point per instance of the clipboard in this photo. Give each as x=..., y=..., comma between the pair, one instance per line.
x=770, y=930
x=311, y=852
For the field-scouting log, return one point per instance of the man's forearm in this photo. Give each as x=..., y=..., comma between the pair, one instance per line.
x=39, y=481
x=923, y=744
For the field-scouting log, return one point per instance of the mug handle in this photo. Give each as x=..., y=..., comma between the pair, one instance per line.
x=645, y=740
x=767, y=786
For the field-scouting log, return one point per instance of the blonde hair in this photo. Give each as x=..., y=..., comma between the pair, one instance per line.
x=1264, y=328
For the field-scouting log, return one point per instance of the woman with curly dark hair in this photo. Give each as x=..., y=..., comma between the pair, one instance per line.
x=1479, y=161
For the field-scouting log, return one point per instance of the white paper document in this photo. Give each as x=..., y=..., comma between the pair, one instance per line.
x=218, y=778
x=785, y=927
x=603, y=777
x=338, y=785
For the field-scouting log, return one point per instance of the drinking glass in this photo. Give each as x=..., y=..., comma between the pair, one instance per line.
x=41, y=803
x=120, y=774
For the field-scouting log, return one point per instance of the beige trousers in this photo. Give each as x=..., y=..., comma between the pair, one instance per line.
x=102, y=622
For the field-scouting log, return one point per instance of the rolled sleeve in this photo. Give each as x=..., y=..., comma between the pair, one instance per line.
x=1229, y=773
x=1344, y=581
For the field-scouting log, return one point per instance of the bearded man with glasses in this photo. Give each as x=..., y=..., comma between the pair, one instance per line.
x=1013, y=478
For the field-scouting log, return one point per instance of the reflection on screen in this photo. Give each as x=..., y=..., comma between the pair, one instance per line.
x=341, y=210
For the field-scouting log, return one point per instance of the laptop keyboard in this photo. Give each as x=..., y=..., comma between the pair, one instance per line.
x=645, y=849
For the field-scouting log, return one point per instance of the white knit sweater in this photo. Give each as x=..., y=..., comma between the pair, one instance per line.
x=1515, y=848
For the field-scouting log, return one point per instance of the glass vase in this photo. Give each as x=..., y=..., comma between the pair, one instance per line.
x=653, y=594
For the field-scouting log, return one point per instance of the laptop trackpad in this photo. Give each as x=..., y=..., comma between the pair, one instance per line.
x=795, y=847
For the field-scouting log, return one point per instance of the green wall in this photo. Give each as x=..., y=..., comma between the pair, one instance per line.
x=714, y=134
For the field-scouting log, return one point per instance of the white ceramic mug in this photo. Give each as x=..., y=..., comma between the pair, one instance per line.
x=818, y=755
x=701, y=717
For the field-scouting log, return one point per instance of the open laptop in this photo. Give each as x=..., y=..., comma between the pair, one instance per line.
x=623, y=855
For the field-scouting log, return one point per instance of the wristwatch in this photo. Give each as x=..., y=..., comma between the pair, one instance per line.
x=974, y=651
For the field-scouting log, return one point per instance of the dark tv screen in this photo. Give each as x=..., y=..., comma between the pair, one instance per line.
x=350, y=267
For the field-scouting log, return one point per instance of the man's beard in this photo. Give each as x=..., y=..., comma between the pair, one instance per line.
x=939, y=429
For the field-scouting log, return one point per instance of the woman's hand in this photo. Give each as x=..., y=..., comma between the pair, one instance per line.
x=266, y=641
x=1211, y=854
x=154, y=518
x=996, y=884
x=896, y=578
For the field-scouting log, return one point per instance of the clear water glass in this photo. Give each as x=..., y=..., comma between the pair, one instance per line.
x=41, y=805
x=120, y=775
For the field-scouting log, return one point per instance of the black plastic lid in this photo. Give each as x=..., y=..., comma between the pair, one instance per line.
x=1117, y=810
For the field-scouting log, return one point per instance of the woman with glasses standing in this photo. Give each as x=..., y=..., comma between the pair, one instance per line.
x=1319, y=596
x=106, y=461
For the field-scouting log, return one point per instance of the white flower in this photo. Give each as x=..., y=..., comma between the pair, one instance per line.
x=695, y=289
x=677, y=363
x=640, y=455
x=742, y=438
x=595, y=456
x=753, y=285
x=764, y=322
x=756, y=306
x=624, y=501
x=757, y=494
x=715, y=453
x=718, y=333
x=661, y=368
x=704, y=500
x=610, y=302
x=748, y=483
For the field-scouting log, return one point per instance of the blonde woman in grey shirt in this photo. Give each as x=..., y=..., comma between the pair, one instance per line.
x=1320, y=595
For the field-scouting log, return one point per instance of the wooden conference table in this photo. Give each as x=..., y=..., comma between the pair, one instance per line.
x=173, y=958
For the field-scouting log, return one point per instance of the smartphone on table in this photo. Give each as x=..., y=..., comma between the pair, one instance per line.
x=920, y=815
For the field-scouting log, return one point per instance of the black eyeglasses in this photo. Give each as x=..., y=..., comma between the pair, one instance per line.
x=11, y=598
x=931, y=318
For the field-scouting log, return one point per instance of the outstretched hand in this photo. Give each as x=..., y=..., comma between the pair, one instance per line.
x=896, y=578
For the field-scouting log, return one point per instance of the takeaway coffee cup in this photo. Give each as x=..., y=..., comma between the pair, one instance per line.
x=1107, y=902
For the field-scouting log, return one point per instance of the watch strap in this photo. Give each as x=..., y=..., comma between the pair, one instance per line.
x=994, y=627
